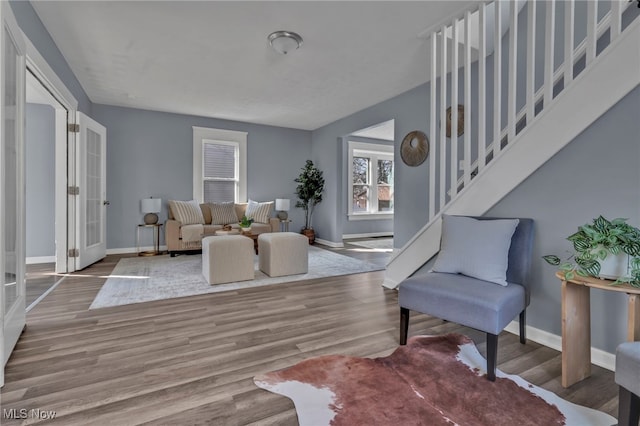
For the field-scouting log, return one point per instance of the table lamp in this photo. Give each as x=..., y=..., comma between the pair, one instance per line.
x=282, y=206
x=151, y=206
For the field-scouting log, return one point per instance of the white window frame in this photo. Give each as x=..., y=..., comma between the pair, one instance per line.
x=202, y=135
x=374, y=152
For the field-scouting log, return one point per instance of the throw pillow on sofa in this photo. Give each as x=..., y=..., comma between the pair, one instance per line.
x=223, y=213
x=186, y=212
x=259, y=212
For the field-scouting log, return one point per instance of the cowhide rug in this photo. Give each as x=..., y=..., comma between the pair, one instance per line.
x=433, y=380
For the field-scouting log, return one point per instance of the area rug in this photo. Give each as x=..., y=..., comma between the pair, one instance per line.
x=144, y=279
x=433, y=380
x=379, y=244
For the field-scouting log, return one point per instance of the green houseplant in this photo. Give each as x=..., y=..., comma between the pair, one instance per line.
x=245, y=223
x=309, y=192
x=598, y=241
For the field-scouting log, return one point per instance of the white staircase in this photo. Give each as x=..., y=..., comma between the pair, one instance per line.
x=555, y=111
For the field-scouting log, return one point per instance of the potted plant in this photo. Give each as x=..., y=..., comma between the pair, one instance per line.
x=245, y=224
x=309, y=192
x=601, y=245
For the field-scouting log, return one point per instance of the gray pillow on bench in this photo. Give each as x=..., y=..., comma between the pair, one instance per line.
x=476, y=248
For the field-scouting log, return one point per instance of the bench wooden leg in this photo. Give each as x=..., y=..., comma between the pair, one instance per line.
x=628, y=408
x=492, y=356
x=523, y=332
x=404, y=325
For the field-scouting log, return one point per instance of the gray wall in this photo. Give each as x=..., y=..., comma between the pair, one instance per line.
x=40, y=179
x=597, y=173
x=409, y=111
x=151, y=154
x=32, y=27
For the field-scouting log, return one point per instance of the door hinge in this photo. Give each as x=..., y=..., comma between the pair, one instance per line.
x=74, y=253
x=73, y=190
x=73, y=128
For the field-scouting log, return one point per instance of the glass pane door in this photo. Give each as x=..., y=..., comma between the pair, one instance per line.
x=12, y=189
x=11, y=178
x=92, y=165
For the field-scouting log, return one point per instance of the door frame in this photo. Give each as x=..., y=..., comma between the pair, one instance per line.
x=64, y=155
x=13, y=317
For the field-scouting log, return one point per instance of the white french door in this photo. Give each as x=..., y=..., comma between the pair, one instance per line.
x=12, y=184
x=91, y=174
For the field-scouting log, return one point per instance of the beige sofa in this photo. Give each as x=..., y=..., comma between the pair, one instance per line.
x=183, y=238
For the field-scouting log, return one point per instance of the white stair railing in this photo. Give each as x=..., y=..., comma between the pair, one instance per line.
x=461, y=70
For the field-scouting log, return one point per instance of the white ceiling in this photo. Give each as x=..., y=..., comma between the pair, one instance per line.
x=212, y=59
x=384, y=131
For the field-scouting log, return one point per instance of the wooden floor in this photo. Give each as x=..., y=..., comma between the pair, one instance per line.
x=40, y=278
x=191, y=360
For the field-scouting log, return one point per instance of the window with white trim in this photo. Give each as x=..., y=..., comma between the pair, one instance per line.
x=370, y=189
x=219, y=165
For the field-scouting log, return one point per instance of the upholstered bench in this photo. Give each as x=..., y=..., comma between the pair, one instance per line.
x=628, y=378
x=227, y=258
x=283, y=253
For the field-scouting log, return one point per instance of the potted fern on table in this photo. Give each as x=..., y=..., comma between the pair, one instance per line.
x=604, y=249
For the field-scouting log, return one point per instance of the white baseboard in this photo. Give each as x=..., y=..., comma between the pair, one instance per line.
x=126, y=250
x=598, y=356
x=367, y=235
x=329, y=243
x=40, y=259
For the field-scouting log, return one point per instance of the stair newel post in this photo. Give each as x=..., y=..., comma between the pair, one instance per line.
x=443, y=115
x=569, y=21
x=432, y=124
x=592, y=31
x=482, y=86
x=513, y=70
x=497, y=78
x=531, y=61
x=467, y=99
x=453, y=131
x=616, y=18
x=549, y=30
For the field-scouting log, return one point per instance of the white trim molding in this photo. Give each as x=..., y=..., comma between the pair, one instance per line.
x=367, y=235
x=202, y=134
x=598, y=356
x=373, y=152
x=43, y=71
x=35, y=260
x=329, y=243
x=128, y=250
x=370, y=216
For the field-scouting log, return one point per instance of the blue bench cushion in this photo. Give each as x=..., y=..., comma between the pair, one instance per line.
x=468, y=301
x=628, y=366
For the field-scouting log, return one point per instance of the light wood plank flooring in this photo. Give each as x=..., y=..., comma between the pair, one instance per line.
x=40, y=278
x=191, y=360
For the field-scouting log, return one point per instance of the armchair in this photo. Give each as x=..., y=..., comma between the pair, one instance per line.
x=488, y=303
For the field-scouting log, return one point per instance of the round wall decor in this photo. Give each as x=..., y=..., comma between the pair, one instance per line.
x=460, y=121
x=414, y=148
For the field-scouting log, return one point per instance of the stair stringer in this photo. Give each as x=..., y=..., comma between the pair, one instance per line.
x=611, y=76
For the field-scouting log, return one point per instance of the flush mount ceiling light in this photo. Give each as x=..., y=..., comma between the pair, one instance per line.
x=284, y=41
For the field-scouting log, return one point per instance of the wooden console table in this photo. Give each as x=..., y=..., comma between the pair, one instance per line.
x=576, y=323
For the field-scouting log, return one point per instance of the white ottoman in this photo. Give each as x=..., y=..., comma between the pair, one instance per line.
x=283, y=253
x=227, y=258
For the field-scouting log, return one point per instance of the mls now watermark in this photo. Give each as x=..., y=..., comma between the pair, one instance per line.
x=23, y=413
